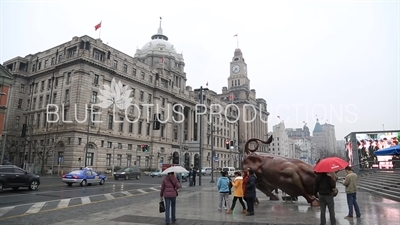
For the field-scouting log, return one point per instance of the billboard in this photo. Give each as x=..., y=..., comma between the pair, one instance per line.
x=366, y=143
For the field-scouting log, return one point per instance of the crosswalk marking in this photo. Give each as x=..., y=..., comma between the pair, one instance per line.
x=140, y=190
x=126, y=193
x=154, y=189
x=85, y=200
x=63, y=203
x=109, y=197
x=5, y=210
x=36, y=208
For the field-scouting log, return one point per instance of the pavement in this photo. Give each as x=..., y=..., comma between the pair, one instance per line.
x=198, y=205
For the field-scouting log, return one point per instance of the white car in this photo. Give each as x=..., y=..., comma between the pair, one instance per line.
x=206, y=171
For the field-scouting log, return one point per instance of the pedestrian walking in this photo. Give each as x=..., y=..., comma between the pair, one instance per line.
x=194, y=176
x=250, y=192
x=350, y=183
x=223, y=189
x=191, y=177
x=324, y=186
x=238, y=192
x=169, y=191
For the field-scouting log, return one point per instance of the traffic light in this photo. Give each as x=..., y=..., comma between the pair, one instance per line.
x=143, y=148
x=227, y=144
x=79, y=159
x=232, y=144
x=146, y=148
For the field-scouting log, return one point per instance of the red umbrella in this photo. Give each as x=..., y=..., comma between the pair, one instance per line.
x=331, y=164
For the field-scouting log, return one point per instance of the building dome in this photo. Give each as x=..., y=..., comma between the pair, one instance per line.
x=159, y=45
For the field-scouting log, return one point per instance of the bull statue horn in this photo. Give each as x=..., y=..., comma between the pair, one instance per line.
x=257, y=141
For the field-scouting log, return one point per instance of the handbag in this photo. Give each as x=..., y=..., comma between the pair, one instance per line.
x=162, y=206
x=335, y=192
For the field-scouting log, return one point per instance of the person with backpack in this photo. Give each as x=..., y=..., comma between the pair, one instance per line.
x=238, y=192
x=223, y=189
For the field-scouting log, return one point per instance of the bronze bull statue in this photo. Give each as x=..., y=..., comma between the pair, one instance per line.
x=292, y=176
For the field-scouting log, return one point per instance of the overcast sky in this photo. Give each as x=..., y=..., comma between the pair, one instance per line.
x=335, y=60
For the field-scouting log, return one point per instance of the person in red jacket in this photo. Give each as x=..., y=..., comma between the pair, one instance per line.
x=169, y=190
x=245, y=178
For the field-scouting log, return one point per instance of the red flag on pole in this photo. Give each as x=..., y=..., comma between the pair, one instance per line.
x=207, y=83
x=278, y=117
x=97, y=26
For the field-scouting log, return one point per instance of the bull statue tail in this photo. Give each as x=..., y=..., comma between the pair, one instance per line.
x=257, y=141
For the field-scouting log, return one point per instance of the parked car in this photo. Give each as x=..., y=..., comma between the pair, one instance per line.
x=156, y=173
x=206, y=171
x=83, y=177
x=127, y=173
x=15, y=177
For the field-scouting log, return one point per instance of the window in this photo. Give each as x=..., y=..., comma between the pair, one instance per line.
x=128, y=160
x=96, y=79
x=131, y=109
x=46, y=63
x=23, y=88
x=162, y=130
x=148, y=129
x=134, y=72
x=130, y=128
x=42, y=86
x=140, y=127
x=108, y=160
x=121, y=125
x=149, y=98
x=36, y=87
x=109, y=144
x=115, y=64
x=138, y=148
x=163, y=102
x=34, y=103
x=140, y=111
x=138, y=159
x=119, y=146
x=53, y=61
x=130, y=147
x=151, y=79
x=66, y=95
x=33, y=68
x=47, y=99
x=45, y=119
x=133, y=93
x=125, y=68
x=110, y=122
x=68, y=78
x=65, y=116
x=17, y=122
x=97, y=55
x=119, y=159
x=56, y=83
x=143, y=75
x=141, y=96
x=19, y=103
x=40, y=102
x=59, y=58
x=38, y=120
x=79, y=141
x=89, y=158
x=94, y=97
x=54, y=98
x=102, y=143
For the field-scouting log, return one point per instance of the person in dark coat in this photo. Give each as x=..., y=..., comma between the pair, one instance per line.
x=250, y=192
x=169, y=190
x=194, y=176
x=324, y=185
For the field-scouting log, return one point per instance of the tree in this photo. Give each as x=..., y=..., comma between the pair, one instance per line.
x=325, y=153
x=44, y=149
x=12, y=149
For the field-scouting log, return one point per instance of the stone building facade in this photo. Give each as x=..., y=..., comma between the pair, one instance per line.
x=66, y=80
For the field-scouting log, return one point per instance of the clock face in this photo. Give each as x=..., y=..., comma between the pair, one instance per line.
x=236, y=69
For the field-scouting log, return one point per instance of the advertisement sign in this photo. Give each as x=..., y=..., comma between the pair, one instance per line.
x=366, y=144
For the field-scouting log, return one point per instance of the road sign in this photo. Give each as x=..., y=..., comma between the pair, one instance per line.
x=193, y=146
x=216, y=159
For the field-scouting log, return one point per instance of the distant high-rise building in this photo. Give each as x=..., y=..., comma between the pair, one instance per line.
x=323, y=139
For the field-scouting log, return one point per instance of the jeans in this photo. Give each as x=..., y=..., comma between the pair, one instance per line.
x=223, y=200
x=250, y=204
x=327, y=200
x=170, y=203
x=240, y=200
x=352, y=201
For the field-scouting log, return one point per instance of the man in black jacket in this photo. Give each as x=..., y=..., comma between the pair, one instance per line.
x=324, y=186
x=250, y=193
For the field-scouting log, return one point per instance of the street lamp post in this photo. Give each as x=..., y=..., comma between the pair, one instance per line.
x=112, y=168
x=201, y=130
x=87, y=140
x=212, y=149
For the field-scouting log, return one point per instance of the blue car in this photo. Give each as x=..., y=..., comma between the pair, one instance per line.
x=83, y=177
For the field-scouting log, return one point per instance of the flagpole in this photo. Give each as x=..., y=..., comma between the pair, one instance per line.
x=100, y=29
x=237, y=40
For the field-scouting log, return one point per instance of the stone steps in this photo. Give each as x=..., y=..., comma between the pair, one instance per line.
x=382, y=183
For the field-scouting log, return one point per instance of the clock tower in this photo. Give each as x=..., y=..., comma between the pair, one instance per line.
x=238, y=71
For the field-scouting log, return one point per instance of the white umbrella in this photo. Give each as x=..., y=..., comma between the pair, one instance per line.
x=175, y=169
